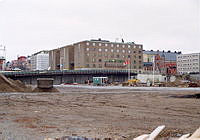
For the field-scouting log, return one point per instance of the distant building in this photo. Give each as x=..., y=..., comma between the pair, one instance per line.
x=40, y=60
x=2, y=57
x=21, y=63
x=98, y=54
x=165, y=62
x=2, y=63
x=188, y=63
x=62, y=58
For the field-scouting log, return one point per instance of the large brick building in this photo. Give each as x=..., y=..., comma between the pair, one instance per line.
x=98, y=54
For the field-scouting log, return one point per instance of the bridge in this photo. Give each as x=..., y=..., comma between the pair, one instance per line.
x=69, y=76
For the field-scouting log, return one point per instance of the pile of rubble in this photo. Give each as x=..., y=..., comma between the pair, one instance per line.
x=152, y=136
x=183, y=83
x=9, y=85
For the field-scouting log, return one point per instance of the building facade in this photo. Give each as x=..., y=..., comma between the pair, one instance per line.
x=163, y=62
x=2, y=57
x=101, y=54
x=54, y=59
x=40, y=61
x=98, y=54
x=62, y=58
x=188, y=63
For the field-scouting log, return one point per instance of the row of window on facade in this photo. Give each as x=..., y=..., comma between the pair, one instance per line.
x=114, y=56
x=190, y=68
x=191, y=64
x=112, y=50
x=113, y=45
x=188, y=56
x=100, y=60
x=101, y=66
x=188, y=60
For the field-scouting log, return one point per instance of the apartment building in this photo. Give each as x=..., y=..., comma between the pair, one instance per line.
x=164, y=61
x=98, y=54
x=188, y=63
x=54, y=59
x=40, y=60
x=62, y=58
x=102, y=54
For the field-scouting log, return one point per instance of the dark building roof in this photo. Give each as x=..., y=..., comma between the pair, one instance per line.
x=169, y=56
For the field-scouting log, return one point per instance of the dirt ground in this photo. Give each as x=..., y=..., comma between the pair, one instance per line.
x=111, y=113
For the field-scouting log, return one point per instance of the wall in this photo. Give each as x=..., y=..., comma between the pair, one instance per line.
x=60, y=79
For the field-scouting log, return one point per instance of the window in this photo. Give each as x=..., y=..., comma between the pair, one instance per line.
x=123, y=51
x=93, y=60
x=94, y=66
x=100, y=44
x=129, y=46
x=118, y=56
x=100, y=60
x=129, y=56
x=87, y=43
x=100, y=50
x=111, y=45
x=93, y=44
x=106, y=50
x=129, y=51
x=87, y=49
x=117, y=45
x=88, y=54
x=111, y=50
x=100, y=65
x=87, y=66
x=117, y=50
x=123, y=46
x=106, y=45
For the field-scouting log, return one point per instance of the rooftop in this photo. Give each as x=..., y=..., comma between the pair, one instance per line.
x=169, y=56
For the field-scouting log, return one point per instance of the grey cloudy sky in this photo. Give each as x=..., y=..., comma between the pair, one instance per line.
x=28, y=26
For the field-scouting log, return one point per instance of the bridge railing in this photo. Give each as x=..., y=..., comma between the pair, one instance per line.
x=61, y=72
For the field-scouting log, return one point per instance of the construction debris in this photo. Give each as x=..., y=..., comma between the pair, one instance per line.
x=151, y=136
x=194, y=136
x=154, y=135
x=77, y=138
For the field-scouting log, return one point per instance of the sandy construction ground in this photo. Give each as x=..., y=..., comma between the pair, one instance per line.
x=97, y=112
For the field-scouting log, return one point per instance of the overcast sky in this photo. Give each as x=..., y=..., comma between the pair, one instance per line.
x=28, y=26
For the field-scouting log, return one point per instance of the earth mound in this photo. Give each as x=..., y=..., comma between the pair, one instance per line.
x=9, y=85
